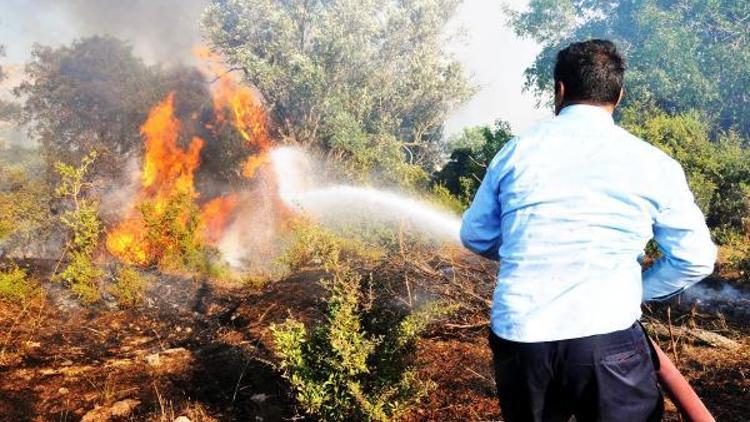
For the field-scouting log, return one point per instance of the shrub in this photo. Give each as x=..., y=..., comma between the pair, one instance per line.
x=24, y=210
x=470, y=154
x=130, y=287
x=15, y=285
x=82, y=221
x=340, y=369
x=314, y=245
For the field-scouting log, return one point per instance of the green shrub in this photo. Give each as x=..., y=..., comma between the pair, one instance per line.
x=339, y=369
x=15, y=285
x=314, y=245
x=470, y=154
x=130, y=287
x=81, y=273
x=443, y=198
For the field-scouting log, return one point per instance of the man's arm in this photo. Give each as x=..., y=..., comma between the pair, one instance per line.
x=481, y=230
x=681, y=233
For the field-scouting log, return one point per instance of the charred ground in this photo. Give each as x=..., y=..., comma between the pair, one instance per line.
x=203, y=349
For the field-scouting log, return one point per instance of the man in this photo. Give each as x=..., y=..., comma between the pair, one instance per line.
x=568, y=208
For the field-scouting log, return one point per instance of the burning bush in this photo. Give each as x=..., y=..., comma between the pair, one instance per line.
x=82, y=221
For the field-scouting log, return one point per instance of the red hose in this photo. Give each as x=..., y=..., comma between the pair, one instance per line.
x=680, y=391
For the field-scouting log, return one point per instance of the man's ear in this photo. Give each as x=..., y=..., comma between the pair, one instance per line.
x=559, y=96
x=622, y=95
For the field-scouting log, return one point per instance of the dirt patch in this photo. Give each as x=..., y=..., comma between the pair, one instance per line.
x=203, y=350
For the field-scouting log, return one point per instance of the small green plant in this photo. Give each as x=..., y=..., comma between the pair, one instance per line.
x=15, y=285
x=314, y=245
x=82, y=221
x=130, y=286
x=341, y=370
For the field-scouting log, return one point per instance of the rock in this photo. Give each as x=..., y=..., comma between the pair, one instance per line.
x=182, y=419
x=120, y=409
x=63, y=391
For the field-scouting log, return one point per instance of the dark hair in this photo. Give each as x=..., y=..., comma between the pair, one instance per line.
x=592, y=71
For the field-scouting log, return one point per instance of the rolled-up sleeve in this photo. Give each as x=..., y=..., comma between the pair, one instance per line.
x=681, y=233
x=481, y=229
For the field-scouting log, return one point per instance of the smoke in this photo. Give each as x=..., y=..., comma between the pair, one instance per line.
x=723, y=298
x=160, y=31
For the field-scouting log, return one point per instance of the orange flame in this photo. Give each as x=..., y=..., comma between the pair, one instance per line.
x=247, y=112
x=216, y=214
x=168, y=169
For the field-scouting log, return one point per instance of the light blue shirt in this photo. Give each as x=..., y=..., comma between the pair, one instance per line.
x=568, y=208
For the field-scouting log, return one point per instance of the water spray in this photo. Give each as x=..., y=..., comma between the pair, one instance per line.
x=299, y=191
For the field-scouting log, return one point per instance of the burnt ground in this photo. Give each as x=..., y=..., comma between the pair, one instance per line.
x=203, y=350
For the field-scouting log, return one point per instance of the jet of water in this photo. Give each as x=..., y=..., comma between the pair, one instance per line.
x=355, y=204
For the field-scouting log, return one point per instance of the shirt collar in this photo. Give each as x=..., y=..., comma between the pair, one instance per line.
x=588, y=112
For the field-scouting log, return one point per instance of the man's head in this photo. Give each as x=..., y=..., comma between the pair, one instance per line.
x=590, y=72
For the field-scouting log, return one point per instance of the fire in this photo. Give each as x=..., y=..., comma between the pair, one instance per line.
x=216, y=215
x=247, y=112
x=167, y=172
x=167, y=200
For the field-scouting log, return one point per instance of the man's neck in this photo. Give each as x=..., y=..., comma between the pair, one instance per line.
x=609, y=108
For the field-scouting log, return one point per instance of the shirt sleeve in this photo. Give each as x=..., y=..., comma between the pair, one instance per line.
x=681, y=233
x=481, y=229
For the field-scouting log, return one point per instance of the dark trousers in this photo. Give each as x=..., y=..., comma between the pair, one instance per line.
x=608, y=377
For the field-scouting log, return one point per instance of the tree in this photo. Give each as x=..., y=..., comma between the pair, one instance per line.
x=363, y=80
x=718, y=172
x=84, y=226
x=682, y=54
x=95, y=94
x=471, y=153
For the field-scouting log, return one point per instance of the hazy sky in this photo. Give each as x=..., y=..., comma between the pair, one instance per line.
x=493, y=55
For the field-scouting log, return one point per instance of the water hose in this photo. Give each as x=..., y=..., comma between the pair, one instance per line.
x=679, y=390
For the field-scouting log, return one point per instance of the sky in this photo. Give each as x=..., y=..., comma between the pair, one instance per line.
x=492, y=54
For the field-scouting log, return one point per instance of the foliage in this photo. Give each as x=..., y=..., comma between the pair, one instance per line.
x=718, y=172
x=314, y=245
x=735, y=251
x=471, y=153
x=363, y=79
x=82, y=221
x=95, y=94
x=130, y=286
x=8, y=110
x=682, y=54
x=340, y=370
x=24, y=209
x=173, y=236
x=443, y=198
x=15, y=285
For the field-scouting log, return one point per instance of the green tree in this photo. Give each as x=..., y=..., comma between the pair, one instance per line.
x=95, y=94
x=367, y=81
x=682, y=54
x=718, y=171
x=471, y=153
x=82, y=221
x=24, y=200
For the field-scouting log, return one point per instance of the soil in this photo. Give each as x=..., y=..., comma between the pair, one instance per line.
x=202, y=349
